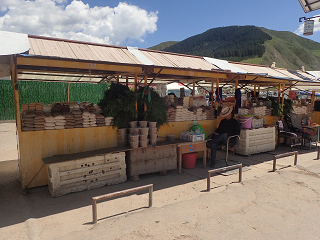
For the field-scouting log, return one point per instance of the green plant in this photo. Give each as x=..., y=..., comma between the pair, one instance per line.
x=156, y=108
x=279, y=109
x=119, y=102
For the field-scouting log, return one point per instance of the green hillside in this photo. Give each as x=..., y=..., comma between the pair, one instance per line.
x=252, y=44
x=163, y=45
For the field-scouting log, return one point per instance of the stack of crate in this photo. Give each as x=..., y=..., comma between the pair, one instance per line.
x=254, y=141
x=85, y=173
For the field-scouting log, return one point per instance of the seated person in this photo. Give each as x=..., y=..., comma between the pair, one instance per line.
x=227, y=127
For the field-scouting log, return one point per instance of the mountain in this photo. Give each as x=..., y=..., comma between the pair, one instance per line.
x=251, y=44
x=163, y=45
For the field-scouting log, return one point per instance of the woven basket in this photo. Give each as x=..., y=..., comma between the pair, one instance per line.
x=257, y=122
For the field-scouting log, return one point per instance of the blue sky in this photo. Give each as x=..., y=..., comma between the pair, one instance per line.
x=145, y=23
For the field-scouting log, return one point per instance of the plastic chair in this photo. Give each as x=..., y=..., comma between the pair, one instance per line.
x=294, y=124
x=283, y=132
x=228, y=146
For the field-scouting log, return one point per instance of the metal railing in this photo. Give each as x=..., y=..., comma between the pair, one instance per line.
x=221, y=170
x=115, y=194
x=295, y=153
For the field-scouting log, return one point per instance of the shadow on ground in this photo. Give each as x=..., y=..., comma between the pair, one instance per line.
x=37, y=203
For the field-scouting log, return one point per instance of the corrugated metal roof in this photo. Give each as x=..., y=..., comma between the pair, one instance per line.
x=75, y=50
x=309, y=5
x=259, y=69
x=166, y=59
x=223, y=64
x=80, y=51
x=13, y=43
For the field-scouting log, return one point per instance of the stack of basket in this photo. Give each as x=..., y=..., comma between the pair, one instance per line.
x=60, y=121
x=144, y=131
x=39, y=122
x=70, y=122
x=86, y=119
x=153, y=133
x=50, y=122
x=134, y=134
x=100, y=120
x=122, y=137
x=78, y=119
x=108, y=121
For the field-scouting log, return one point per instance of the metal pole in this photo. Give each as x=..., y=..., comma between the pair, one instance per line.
x=94, y=211
x=150, y=196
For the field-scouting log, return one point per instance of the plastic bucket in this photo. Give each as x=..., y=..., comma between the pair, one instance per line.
x=189, y=160
x=246, y=121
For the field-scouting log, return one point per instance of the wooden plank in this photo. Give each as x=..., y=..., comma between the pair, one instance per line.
x=85, y=172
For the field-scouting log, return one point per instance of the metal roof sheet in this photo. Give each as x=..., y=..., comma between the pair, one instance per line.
x=75, y=50
x=81, y=51
x=309, y=5
x=166, y=59
x=264, y=70
x=223, y=64
x=13, y=43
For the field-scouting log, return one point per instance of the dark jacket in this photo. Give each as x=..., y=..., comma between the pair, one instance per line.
x=231, y=127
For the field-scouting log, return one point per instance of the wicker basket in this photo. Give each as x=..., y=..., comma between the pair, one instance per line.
x=257, y=122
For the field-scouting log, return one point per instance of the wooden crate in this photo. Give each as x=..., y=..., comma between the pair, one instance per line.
x=86, y=173
x=151, y=159
x=254, y=141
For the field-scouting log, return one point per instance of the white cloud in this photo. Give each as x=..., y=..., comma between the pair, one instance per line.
x=77, y=21
x=316, y=27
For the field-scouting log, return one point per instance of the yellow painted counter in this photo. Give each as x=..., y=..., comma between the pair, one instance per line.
x=35, y=145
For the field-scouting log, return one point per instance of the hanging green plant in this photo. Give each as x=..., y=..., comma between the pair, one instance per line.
x=119, y=102
x=156, y=108
x=279, y=109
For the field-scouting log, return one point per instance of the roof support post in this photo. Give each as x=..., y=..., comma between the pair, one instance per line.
x=145, y=84
x=211, y=93
x=254, y=91
x=193, y=87
x=117, y=78
x=279, y=90
x=216, y=103
x=14, y=77
x=127, y=81
x=282, y=99
x=135, y=89
x=68, y=91
x=313, y=97
x=235, y=88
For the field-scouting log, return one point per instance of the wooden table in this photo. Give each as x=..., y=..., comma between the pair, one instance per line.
x=187, y=147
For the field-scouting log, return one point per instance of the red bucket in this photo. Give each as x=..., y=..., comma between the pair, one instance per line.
x=189, y=160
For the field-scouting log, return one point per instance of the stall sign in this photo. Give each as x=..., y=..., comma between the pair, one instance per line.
x=308, y=27
x=292, y=95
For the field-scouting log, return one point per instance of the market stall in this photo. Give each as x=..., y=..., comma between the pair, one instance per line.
x=83, y=128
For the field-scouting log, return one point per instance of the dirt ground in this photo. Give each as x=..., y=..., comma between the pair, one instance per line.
x=265, y=205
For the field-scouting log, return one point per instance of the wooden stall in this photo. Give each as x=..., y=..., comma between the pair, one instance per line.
x=51, y=59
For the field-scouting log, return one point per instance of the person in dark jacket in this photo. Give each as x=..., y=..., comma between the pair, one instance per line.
x=227, y=127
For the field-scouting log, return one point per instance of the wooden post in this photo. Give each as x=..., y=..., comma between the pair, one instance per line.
x=313, y=97
x=258, y=90
x=235, y=88
x=282, y=99
x=68, y=91
x=127, y=81
x=14, y=77
x=145, y=84
x=117, y=78
x=135, y=88
x=211, y=93
x=193, y=87
x=216, y=105
x=254, y=90
x=279, y=92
